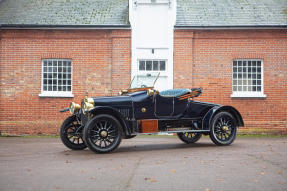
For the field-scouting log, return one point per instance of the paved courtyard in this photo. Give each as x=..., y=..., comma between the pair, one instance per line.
x=145, y=163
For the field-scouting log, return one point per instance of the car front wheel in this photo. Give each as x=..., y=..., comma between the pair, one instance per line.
x=103, y=133
x=71, y=134
x=223, y=129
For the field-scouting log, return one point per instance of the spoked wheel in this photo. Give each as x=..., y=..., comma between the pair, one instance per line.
x=223, y=129
x=189, y=137
x=103, y=133
x=72, y=134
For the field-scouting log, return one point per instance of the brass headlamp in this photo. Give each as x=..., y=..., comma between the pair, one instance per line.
x=87, y=104
x=74, y=107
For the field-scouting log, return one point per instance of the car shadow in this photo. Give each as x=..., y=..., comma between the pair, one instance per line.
x=162, y=146
x=143, y=148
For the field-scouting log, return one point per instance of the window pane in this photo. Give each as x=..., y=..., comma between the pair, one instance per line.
x=155, y=65
x=142, y=65
x=247, y=75
x=54, y=71
x=244, y=88
x=148, y=65
x=239, y=88
x=162, y=66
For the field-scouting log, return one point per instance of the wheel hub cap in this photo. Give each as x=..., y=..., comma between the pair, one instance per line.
x=224, y=128
x=104, y=133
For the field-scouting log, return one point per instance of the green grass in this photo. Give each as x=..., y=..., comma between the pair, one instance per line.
x=31, y=136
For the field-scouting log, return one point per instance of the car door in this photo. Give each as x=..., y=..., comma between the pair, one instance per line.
x=164, y=106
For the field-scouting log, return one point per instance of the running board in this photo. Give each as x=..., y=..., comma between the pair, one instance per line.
x=183, y=131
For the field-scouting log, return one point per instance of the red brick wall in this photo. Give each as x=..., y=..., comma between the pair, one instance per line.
x=204, y=58
x=101, y=65
x=97, y=57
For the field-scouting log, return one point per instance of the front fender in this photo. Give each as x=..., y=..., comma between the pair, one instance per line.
x=206, y=122
x=112, y=111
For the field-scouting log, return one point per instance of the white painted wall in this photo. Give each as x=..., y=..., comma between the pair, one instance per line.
x=152, y=23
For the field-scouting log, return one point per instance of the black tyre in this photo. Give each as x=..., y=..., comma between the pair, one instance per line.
x=223, y=129
x=189, y=137
x=71, y=134
x=103, y=133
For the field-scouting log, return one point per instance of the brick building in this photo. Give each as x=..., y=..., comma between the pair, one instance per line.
x=53, y=51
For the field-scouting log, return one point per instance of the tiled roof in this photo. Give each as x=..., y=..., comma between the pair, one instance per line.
x=195, y=13
x=212, y=13
x=64, y=12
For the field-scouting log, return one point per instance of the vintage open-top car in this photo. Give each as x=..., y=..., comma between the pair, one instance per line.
x=100, y=123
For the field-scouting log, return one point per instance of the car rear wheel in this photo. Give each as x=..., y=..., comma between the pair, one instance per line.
x=71, y=134
x=103, y=133
x=189, y=137
x=223, y=129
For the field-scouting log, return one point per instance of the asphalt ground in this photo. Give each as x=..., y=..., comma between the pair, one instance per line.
x=145, y=163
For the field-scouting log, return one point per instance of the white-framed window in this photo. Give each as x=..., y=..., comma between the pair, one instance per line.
x=56, y=78
x=247, y=78
x=152, y=65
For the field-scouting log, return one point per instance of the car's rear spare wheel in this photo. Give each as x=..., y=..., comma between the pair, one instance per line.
x=223, y=128
x=189, y=137
x=103, y=133
x=71, y=134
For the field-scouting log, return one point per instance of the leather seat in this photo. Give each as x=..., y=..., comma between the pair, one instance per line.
x=174, y=92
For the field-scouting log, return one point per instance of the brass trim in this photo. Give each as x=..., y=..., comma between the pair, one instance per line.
x=74, y=107
x=150, y=92
x=143, y=110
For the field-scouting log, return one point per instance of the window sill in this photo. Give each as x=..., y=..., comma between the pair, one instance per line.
x=56, y=94
x=248, y=95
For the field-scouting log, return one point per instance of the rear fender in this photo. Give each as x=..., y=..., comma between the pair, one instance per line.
x=206, y=122
x=113, y=112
